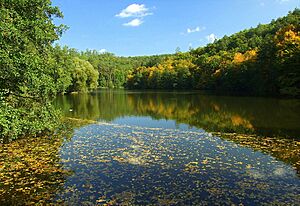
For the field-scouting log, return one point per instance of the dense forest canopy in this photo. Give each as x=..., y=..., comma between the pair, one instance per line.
x=256, y=61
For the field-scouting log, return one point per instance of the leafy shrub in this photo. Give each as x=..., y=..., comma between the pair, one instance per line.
x=29, y=119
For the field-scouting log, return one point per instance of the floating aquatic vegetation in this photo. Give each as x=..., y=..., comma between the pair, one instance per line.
x=111, y=164
x=30, y=169
x=30, y=172
x=286, y=150
x=130, y=165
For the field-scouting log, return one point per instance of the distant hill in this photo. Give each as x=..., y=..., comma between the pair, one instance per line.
x=259, y=61
x=250, y=38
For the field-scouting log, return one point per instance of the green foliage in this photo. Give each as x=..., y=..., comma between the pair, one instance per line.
x=26, y=75
x=287, y=42
x=85, y=77
x=253, y=64
x=258, y=61
x=63, y=66
x=27, y=33
x=113, y=70
x=26, y=117
x=261, y=60
x=172, y=73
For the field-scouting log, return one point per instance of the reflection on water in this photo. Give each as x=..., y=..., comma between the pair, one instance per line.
x=265, y=124
x=159, y=148
x=132, y=165
x=245, y=115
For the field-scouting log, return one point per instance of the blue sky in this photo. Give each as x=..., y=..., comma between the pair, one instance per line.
x=146, y=27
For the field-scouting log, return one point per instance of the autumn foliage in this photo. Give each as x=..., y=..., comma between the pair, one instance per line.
x=259, y=61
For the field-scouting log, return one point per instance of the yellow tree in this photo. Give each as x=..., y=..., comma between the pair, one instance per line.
x=287, y=42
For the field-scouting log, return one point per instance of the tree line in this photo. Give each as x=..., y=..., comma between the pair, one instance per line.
x=261, y=60
x=33, y=70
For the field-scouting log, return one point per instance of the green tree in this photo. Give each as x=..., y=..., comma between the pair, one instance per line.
x=63, y=65
x=84, y=77
x=26, y=82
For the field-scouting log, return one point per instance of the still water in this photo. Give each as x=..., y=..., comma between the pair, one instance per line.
x=162, y=148
x=166, y=148
x=245, y=115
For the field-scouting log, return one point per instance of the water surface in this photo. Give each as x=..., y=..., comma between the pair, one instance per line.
x=182, y=148
x=135, y=165
x=245, y=115
x=160, y=148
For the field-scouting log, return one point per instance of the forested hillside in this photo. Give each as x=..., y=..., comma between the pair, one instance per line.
x=259, y=61
x=114, y=70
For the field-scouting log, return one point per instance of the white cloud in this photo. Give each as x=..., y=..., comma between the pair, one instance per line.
x=134, y=23
x=211, y=38
x=193, y=30
x=197, y=29
x=134, y=10
x=102, y=50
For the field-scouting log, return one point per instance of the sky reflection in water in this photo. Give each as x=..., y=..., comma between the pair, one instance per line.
x=113, y=163
x=181, y=148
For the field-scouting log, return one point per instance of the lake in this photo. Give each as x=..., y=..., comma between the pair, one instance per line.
x=161, y=148
x=251, y=115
